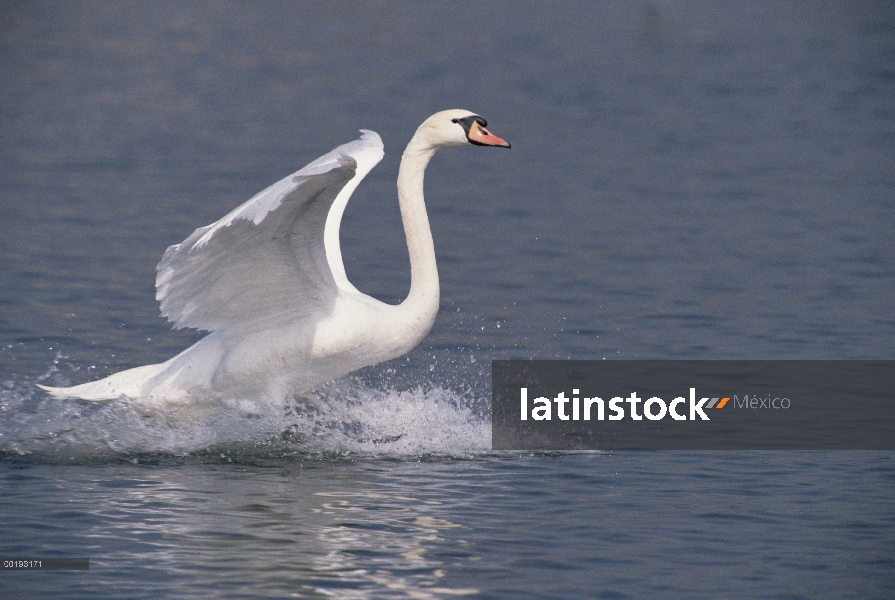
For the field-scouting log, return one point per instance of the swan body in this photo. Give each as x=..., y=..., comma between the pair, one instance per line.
x=268, y=282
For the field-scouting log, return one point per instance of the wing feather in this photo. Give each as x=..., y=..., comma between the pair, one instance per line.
x=267, y=263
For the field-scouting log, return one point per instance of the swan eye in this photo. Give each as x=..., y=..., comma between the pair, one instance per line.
x=455, y=120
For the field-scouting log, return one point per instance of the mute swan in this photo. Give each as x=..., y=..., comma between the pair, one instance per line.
x=267, y=281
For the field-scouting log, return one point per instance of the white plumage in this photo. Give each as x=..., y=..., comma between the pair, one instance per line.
x=267, y=281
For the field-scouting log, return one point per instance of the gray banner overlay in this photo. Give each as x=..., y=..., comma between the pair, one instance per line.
x=693, y=405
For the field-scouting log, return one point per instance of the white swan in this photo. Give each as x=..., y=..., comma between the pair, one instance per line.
x=268, y=282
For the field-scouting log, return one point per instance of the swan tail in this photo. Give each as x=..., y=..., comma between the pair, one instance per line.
x=127, y=384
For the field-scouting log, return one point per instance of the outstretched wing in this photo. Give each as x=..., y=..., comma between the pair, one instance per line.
x=273, y=260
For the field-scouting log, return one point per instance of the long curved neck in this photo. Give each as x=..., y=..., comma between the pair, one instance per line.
x=422, y=301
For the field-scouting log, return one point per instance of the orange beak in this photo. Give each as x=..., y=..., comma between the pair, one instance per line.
x=481, y=136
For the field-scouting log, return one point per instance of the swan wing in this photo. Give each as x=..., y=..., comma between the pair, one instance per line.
x=275, y=259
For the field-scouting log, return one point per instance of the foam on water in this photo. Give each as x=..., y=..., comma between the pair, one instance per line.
x=348, y=417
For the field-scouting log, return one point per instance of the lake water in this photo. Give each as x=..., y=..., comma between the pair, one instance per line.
x=687, y=181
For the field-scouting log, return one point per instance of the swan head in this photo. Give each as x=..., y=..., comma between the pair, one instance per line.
x=458, y=128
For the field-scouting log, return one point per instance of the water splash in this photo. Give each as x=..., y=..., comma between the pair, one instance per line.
x=347, y=418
